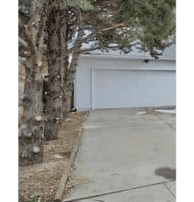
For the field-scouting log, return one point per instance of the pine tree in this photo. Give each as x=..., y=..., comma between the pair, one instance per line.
x=45, y=26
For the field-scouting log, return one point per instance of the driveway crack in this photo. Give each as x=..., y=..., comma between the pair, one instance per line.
x=165, y=122
x=114, y=192
x=169, y=190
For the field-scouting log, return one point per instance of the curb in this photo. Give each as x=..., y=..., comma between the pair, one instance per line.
x=61, y=190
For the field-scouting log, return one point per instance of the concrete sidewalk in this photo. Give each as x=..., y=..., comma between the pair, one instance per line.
x=127, y=156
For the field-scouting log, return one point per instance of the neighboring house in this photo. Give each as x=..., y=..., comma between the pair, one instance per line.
x=108, y=80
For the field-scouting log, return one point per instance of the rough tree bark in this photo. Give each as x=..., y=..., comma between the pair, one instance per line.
x=56, y=43
x=48, y=81
x=31, y=138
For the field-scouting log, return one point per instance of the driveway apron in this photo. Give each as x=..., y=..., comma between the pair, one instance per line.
x=123, y=151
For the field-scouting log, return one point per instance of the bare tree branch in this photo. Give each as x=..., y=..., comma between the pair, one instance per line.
x=109, y=28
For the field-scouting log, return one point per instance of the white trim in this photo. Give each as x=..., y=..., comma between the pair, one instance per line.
x=137, y=69
x=176, y=87
x=77, y=91
x=93, y=88
x=127, y=57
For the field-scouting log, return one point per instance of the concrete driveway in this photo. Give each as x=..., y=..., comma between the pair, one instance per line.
x=126, y=156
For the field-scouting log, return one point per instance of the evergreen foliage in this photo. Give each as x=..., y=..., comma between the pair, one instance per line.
x=151, y=21
x=155, y=17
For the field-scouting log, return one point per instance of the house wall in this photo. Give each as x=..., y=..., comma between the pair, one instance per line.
x=92, y=72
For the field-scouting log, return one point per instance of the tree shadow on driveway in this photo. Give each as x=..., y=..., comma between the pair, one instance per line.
x=166, y=172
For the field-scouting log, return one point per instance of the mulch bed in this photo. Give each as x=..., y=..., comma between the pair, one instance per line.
x=42, y=180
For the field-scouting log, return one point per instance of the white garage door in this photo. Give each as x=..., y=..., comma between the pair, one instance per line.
x=130, y=88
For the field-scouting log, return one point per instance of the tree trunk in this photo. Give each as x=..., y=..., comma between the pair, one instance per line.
x=49, y=81
x=31, y=137
x=56, y=27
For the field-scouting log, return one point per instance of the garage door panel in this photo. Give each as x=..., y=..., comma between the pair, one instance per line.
x=125, y=88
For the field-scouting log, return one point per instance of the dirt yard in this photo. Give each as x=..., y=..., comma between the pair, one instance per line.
x=42, y=180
